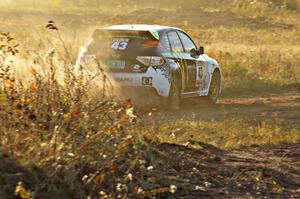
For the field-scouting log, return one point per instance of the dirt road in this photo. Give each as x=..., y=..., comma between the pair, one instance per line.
x=284, y=106
x=251, y=172
x=268, y=171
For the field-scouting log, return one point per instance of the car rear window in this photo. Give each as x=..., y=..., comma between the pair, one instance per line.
x=121, y=41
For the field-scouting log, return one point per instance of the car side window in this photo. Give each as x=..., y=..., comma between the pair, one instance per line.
x=187, y=42
x=165, y=43
x=175, y=42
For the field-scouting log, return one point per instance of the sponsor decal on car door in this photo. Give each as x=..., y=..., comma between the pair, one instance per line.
x=201, y=76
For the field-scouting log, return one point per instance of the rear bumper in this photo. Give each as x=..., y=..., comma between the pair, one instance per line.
x=152, y=79
x=139, y=95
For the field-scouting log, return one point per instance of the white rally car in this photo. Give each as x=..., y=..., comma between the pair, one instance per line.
x=160, y=60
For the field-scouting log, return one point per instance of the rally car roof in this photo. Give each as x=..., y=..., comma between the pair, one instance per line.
x=140, y=27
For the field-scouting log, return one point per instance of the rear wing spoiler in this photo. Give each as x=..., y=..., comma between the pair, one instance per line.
x=111, y=33
x=154, y=34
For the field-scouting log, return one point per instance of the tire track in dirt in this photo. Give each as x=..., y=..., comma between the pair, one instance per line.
x=285, y=107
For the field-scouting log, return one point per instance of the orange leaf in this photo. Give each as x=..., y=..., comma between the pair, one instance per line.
x=33, y=88
x=9, y=85
x=99, y=179
x=76, y=114
x=154, y=192
x=33, y=71
x=128, y=104
x=114, y=168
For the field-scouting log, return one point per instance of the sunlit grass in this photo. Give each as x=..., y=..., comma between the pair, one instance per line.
x=68, y=126
x=228, y=133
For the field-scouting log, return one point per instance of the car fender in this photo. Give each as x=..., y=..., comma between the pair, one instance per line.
x=212, y=66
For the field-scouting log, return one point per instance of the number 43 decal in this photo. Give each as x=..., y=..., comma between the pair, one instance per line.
x=120, y=44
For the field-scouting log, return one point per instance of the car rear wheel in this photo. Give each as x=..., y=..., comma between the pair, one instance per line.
x=175, y=94
x=215, y=86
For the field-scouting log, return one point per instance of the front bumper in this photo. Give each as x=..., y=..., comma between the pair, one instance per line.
x=153, y=78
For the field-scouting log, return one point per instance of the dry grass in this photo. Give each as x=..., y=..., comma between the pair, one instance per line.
x=228, y=133
x=60, y=121
x=258, y=69
x=70, y=130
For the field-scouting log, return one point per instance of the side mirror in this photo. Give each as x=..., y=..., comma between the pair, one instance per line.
x=194, y=52
x=201, y=50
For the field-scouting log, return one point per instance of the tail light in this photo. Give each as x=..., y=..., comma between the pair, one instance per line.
x=151, y=44
x=151, y=61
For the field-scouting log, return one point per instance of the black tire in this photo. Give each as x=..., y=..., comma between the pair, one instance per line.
x=215, y=87
x=175, y=94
